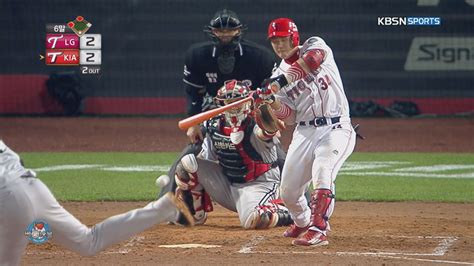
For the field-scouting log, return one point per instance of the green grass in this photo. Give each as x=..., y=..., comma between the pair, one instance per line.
x=98, y=183
x=396, y=188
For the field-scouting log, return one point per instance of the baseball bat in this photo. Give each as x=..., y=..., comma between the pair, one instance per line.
x=199, y=118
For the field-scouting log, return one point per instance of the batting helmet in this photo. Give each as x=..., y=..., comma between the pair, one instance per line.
x=283, y=27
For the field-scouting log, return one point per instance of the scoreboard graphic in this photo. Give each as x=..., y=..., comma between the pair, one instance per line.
x=70, y=45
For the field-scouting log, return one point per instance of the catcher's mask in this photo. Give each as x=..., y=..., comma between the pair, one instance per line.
x=225, y=30
x=232, y=91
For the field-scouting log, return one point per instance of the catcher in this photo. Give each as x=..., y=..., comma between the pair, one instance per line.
x=237, y=166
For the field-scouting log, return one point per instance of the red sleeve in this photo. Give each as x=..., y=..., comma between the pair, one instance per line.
x=313, y=58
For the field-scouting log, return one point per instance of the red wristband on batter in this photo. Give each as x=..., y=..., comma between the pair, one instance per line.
x=313, y=58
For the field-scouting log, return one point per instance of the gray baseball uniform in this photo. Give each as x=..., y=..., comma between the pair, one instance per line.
x=240, y=197
x=24, y=198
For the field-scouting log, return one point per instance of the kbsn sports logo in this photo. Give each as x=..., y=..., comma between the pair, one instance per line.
x=408, y=21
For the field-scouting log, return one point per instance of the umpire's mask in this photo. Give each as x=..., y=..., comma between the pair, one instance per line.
x=225, y=30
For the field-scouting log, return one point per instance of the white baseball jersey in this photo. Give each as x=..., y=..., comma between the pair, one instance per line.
x=316, y=154
x=320, y=93
x=24, y=199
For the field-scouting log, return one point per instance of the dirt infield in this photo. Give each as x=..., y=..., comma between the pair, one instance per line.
x=155, y=135
x=363, y=233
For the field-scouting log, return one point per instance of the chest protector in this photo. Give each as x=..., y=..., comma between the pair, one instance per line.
x=241, y=163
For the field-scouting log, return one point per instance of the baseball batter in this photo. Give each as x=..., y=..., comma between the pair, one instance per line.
x=24, y=199
x=237, y=167
x=309, y=92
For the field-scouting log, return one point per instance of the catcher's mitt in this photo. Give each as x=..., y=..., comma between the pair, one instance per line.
x=267, y=120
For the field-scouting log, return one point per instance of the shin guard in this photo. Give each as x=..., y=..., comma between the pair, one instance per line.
x=320, y=201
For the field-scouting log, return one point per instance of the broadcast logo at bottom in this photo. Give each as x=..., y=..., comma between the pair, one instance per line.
x=38, y=232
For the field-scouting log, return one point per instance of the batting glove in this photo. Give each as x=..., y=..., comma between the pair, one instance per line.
x=277, y=83
x=264, y=95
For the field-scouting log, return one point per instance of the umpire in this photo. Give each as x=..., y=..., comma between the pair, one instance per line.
x=208, y=64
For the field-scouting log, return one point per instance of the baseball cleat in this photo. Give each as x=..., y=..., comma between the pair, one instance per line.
x=294, y=231
x=185, y=217
x=312, y=238
x=200, y=217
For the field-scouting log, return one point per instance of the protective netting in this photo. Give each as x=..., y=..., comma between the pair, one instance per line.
x=143, y=43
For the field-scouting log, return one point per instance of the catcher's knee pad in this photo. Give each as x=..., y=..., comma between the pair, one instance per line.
x=186, y=173
x=268, y=216
x=321, y=200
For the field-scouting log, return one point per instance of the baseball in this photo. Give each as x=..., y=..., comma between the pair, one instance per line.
x=162, y=181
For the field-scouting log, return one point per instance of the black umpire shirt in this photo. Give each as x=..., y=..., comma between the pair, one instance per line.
x=253, y=64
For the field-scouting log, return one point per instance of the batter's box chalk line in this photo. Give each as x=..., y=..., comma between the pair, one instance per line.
x=444, y=243
x=193, y=245
x=125, y=249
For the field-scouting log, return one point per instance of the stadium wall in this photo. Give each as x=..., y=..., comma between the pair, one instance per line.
x=143, y=45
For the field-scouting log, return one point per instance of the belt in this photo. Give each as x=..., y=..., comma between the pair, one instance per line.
x=320, y=121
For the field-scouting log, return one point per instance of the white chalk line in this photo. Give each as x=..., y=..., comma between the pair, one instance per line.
x=192, y=245
x=360, y=168
x=247, y=247
x=428, y=260
x=444, y=245
x=407, y=174
x=104, y=167
x=127, y=247
x=445, y=242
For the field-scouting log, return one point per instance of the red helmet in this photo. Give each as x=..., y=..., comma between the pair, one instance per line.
x=282, y=27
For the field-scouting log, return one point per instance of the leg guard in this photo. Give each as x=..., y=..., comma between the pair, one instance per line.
x=202, y=204
x=320, y=201
x=189, y=189
x=193, y=200
x=268, y=216
x=186, y=173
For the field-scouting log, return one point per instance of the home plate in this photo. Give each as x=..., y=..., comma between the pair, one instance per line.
x=189, y=246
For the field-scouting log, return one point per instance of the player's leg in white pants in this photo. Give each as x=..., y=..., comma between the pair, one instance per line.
x=296, y=175
x=72, y=234
x=29, y=199
x=16, y=212
x=330, y=154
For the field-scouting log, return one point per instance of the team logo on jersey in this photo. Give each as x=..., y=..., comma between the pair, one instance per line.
x=38, y=232
x=212, y=77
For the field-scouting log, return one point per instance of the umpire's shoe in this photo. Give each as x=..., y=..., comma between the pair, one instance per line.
x=185, y=217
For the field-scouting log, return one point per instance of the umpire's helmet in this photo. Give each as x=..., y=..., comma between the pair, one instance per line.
x=225, y=19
